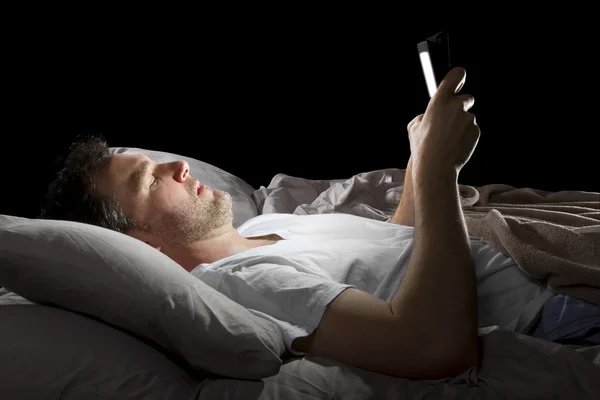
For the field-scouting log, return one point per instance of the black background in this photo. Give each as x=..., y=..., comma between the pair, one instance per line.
x=318, y=98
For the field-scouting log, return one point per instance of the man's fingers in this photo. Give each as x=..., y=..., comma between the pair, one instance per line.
x=467, y=101
x=416, y=119
x=452, y=83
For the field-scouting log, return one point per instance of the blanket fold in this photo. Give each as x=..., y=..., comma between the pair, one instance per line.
x=553, y=236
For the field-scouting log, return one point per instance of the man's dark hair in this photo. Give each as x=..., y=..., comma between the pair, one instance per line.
x=73, y=195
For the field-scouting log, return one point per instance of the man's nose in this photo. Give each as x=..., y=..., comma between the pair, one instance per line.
x=181, y=170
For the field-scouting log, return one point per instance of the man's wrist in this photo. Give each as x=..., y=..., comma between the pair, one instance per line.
x=433, y=174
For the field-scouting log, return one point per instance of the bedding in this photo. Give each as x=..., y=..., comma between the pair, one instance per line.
x=10, y=298
x=127, y=283
x=514, y=365
x=51, y=353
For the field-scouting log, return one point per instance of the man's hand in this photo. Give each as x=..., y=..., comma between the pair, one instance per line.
x=447, y=134
x=455, y=135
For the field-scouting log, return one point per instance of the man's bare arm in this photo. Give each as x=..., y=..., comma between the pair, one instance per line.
x=405, y=213
x=441, y=266
x=429, y=330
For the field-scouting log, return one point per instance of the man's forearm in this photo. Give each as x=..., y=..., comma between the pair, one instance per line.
x=405, y=213
x=438, y=295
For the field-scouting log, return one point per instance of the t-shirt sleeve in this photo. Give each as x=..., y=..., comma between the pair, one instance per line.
x=272, y=288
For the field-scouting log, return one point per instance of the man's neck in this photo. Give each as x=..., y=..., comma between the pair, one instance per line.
x=218, y=244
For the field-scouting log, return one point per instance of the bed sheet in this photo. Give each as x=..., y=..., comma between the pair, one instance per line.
x=374, y=194
x=514, y=366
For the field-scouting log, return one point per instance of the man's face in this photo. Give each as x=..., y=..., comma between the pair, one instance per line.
x=175, y=206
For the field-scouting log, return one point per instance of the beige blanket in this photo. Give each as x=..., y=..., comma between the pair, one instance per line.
x=550, y=235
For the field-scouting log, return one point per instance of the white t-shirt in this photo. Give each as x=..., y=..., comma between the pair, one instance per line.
x=292, y=281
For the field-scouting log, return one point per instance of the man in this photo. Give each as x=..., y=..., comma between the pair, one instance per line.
x=397, y=298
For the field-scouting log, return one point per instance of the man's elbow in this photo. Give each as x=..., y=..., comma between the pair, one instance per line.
x=440, y=362
x=457, y=362
x=432, y=364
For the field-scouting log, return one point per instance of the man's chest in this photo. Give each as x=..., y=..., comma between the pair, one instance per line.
x=362, y=263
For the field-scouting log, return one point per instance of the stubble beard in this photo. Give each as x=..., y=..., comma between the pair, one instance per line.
x=195, y=219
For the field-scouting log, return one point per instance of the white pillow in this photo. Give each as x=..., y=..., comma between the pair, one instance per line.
x=50, y=353
x=126, y=283
x=241, y=192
